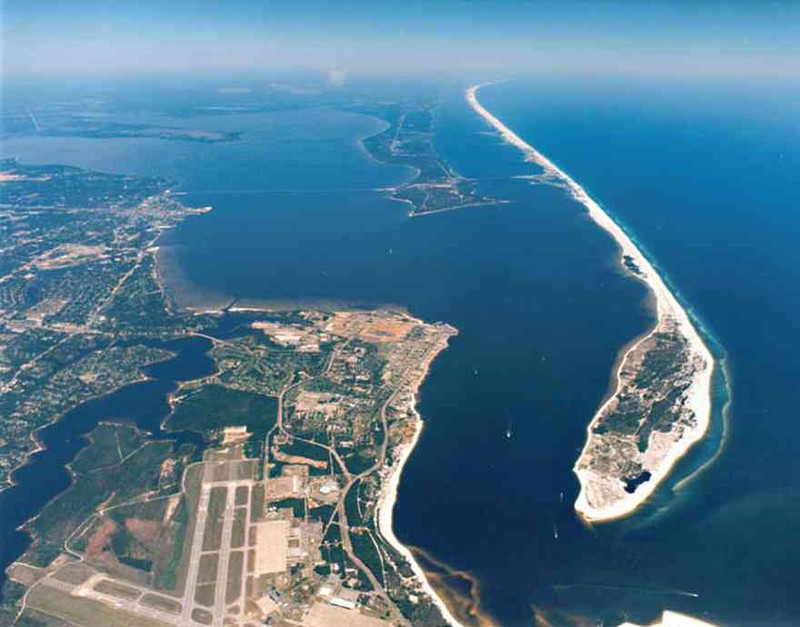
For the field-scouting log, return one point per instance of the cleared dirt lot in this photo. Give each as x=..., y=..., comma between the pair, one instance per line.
x=325, y=615
x=272, y=548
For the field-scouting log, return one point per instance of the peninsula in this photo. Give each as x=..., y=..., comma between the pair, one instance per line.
x=265, y=489
x=408, y=140
x=660, y=404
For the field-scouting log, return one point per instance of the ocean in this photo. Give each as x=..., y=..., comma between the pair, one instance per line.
x=701, y=174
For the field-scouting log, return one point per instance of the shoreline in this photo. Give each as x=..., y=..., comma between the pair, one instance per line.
x=384, y=512
x=39, y=446
x=667, y=307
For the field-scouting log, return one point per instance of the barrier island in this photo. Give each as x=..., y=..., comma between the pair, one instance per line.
x=660, y=403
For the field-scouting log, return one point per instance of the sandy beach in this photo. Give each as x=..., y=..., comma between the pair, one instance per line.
x=385, y=524
x=385, y=509
x=667, y=307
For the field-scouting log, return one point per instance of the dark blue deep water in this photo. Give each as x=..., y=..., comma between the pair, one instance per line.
x=701, y=174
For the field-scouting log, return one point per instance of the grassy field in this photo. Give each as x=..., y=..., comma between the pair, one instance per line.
x=233, y=588
x=167, y=568
x=149, y=537
x=242, y=495
x=212, y=536
x=192, y=482
x=204, y=594
x=115, y=589
x=257, y=502
x=160, y=603
x=207, y=570
x=58, y=608
x=201, y=616
x=239, y=527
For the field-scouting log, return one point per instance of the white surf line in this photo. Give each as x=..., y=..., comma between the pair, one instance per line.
x=385, y=510
x=667, y=306
x=384, y=519
x=33, y=119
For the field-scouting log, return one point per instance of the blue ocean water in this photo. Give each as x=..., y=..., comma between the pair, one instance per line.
x=705, y=175
x=701, y=174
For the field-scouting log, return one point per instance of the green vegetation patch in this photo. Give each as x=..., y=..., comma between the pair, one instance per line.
x=298, y=506
x=175, y=577
x=149, y=537
x=139, y=305
x=107, y=485
x=204, y=594
x=158, y=602
x=654, y=401
x=252, y=362
x=214, y=406
x=111, y=443
x=366, y=551
x=115, y=589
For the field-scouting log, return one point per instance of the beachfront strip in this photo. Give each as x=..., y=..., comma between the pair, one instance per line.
x=660, y=404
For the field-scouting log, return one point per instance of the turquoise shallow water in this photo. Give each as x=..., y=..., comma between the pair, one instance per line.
x=700, y=175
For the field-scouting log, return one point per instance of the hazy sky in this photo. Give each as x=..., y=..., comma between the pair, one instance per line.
x=110, y=36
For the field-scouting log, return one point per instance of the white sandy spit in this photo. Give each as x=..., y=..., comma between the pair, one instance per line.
x=673, y=619
x=667, y=306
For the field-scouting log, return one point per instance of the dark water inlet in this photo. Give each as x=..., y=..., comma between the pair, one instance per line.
x=143, y=404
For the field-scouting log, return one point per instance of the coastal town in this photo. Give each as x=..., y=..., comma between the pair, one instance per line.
x=280, y=513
